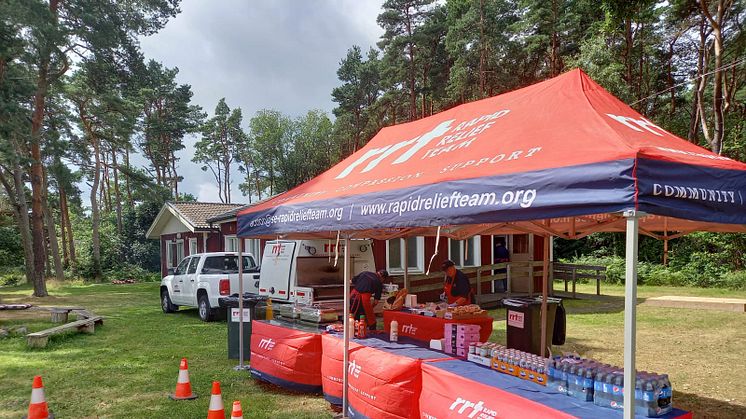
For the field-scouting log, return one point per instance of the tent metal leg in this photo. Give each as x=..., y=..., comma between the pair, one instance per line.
x=630, y=313
x=240, y=366
x=347, y=327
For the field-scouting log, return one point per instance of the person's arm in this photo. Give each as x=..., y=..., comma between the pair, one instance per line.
x=378, y=290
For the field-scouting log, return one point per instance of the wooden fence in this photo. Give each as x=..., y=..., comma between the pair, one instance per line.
x=571, y=272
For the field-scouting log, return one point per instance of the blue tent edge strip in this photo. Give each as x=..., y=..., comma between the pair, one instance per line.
x=683, y=191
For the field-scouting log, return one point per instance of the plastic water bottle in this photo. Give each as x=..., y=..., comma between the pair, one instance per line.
x=599, y=395
x=617, y=399
x=394, y=331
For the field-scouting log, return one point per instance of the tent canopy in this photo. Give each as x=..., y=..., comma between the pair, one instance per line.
x=563, y=157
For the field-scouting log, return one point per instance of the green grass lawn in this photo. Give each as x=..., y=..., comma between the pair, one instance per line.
x=129, y=366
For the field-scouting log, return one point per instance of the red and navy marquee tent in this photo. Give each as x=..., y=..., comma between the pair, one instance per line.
x=560, y=158
x=564, y=151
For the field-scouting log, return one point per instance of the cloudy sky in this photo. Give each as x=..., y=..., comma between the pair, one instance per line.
x=278, y=54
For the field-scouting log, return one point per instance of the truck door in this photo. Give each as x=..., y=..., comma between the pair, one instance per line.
x=190, y=282
x=177, y=283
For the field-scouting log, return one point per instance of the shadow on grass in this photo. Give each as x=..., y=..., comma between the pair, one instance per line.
x=705, y=407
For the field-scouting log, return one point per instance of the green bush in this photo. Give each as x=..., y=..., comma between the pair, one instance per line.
x=135, y=272
x=734, y=280
x=702, y=271
x=11, y=279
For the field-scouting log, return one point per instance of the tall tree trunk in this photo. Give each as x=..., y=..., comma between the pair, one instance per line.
x=52, y=234
x=63, y=236
x=716, y=140
x=37, y=190
x=117, y=194
x=130, y=202
x=482, y=53
x=17, y=193
x=95, y=215
x=175, y=176
x=412, y=71
x=65, y=209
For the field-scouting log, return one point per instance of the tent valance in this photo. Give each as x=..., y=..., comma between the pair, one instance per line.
x=557, y=150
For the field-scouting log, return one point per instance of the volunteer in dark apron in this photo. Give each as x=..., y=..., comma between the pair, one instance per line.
x=366, y=285
x=456, y=287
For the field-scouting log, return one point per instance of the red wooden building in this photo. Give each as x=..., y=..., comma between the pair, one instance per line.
x=185, y=228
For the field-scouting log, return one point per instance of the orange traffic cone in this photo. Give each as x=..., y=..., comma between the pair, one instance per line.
x=183, y=386
x=216, y=410
x=37, y=409
x=237, y=413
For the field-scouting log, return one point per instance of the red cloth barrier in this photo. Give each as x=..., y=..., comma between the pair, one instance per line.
x=286, y=357
x=425, y=328
x=332, y=360
x=382, y=385
x=447, y=395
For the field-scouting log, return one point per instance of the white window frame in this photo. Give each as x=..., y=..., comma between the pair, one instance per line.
x=193, y=246
x=169, y=256
x=420, y=244
x=253, y=246
x=229, y=239
x=180, y=250
x=458, y=259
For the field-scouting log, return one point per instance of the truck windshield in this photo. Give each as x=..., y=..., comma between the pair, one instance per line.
x=226, y=264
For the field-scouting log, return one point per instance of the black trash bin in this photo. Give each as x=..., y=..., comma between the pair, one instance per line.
x=524, y=323
x=253, y=306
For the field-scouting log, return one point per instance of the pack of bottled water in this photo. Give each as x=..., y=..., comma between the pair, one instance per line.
x=572, y=375
x=603, y=384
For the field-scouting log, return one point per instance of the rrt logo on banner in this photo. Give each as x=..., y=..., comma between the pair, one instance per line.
x=354, y=369
x=476, y=408
x=267, y=344
x=409, y=329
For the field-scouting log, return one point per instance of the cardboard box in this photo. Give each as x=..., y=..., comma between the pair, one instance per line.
x=481, y=360
x=468, y=328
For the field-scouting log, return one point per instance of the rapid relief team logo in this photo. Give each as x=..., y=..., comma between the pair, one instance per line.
x=277, y=249
x=515, y=319
x=354, y=369
x=471, y=410
x=409, y=329
x=267, y=344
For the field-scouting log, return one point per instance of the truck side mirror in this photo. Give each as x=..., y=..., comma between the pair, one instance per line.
x=171, y=271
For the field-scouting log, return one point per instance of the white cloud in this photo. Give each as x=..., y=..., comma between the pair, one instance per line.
x=281, y=54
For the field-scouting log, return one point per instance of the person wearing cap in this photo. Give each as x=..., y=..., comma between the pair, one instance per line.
x=456, y=287
x=366, y=286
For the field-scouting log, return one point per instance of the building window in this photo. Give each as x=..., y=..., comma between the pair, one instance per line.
x=520, y=243
x=465, y=252
x=179, y=244
x=193, y=246
x=395, y=254
x=169, y=255
x=253, y=246
x=174, y=252
x=231, y=244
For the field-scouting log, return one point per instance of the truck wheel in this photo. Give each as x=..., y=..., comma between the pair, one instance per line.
x=206, y=313
x=166, y=305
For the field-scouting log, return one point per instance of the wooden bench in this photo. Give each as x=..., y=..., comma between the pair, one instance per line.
x=40, y=339
x=572, y=272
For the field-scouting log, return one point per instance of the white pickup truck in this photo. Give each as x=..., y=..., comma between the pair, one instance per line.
x=201, y=279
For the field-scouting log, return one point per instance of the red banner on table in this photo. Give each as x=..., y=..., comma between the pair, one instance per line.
x=286, y=357
x=382, y=385
x=332, y=367
x=447, y=395
x=425, y=328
